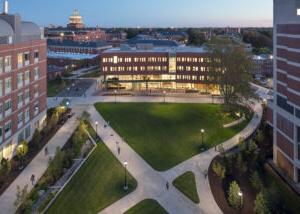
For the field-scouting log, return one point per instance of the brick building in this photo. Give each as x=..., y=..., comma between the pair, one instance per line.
x=151, y=67
x=22, y=81
x=284, y=111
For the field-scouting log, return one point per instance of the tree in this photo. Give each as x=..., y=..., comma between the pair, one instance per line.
x=256, y=181
x=240, y=164
x=231, y=68
x=22, y=151
x=5, y=166
x=219, y=169
x=196, y=37
x=36, y=138
x=56, y=166
x=21, y=196
x=260, y=204
x=260, y=136
x=235, y=198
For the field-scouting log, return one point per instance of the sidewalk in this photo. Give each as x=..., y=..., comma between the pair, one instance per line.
x=37, y=166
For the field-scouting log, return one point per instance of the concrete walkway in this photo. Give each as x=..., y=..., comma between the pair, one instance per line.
x=38, y=165
x=152, y=184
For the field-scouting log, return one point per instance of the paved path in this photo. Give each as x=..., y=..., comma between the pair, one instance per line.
x=38, y=165
x=152, y=184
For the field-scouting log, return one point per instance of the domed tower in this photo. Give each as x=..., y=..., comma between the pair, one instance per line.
x=75, y=21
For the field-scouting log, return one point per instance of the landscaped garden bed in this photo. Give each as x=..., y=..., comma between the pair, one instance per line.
x=96, y=185
x=242, y=182
x=186, y=183
x=77, y=147
x=147, y=206
x=166, y=134
x=10, y=170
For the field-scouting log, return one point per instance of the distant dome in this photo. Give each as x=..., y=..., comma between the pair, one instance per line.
x=30, y=29
x=6, y=29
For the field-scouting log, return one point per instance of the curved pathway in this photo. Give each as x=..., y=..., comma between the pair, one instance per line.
x=152, y=184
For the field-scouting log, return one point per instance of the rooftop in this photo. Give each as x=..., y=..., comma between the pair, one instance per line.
x=70, y=43
x=178, y=49
x=74, y=56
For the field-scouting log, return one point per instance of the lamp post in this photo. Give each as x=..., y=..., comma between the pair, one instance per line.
x=115, y=96
x=125, y=177
x=202, y=135
x=241, y=198
x=164, y=96
x=96, y=124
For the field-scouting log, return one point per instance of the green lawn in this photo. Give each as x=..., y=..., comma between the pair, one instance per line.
x=98, y=184
x=54, y=87
x=186, y=183
x=167, y=134
x=147, y=206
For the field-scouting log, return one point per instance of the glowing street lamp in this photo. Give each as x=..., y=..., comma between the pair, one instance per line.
x=115, y=96
x=125, y=178
x=96, y=124
x=202, y=135
x=241, y=198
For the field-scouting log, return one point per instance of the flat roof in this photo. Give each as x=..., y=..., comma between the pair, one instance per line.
x=179, y=49
x=74, y=56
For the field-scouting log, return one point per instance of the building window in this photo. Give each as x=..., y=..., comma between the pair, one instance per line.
x=115, y=60
x=36, y=73
x=27, y=96
x=1, y=64
x=27, y=59
x=27, y=115
x=20, y=100
x=298, y=11
x=20, y=120
x=1, y=111
x=27, y=132
x=20, y=80
x=7, y=63
x=7, y=107
x=1, y=88
x=36, y=108
x=36, y=56
x=282, y=103
x=27, y=77
x=7, y=129
x=20, y=60
x=21, y=137
x=8, y=85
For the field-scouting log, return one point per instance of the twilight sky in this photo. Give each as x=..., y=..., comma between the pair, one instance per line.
x=148, y=13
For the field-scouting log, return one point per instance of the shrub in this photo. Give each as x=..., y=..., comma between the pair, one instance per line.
x=36, y=139
x=219, y=169
x=260, y=204
x=21, y=196
x=22, y=150
x=5, y=166
x=240, y=165
x=56, y=167
x=234, y=198
x=255, y=181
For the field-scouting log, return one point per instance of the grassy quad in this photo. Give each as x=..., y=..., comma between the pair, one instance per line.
x=167, y=134
x=147, y=206
x=186, y=183
x=98, y=184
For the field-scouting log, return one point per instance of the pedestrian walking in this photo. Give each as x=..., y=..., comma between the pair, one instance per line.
x=119, y=150
x=46, y=151
x=205, y=173
x=32, y=179
x=167, y=185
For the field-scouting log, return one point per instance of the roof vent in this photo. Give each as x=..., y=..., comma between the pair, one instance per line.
x=5, y=7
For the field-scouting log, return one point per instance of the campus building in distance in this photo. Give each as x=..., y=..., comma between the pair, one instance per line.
x=146, y=66
x=22, y=81
x=284, y=110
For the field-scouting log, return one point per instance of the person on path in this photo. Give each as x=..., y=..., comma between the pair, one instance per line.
x=46, y=151
x=32, y=179
x=167, y=185
x=119, y=150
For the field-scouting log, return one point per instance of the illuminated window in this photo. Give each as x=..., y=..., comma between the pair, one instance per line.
x=7, y=63
x=20, y=60
x=115, y=60
x=298, y=11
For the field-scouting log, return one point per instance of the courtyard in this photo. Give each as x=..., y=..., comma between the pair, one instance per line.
x=168, y=134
